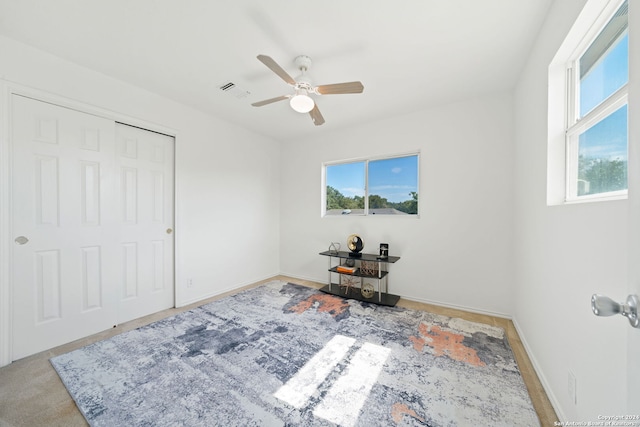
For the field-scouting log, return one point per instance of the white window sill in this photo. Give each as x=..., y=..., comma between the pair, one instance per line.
x=597, y=198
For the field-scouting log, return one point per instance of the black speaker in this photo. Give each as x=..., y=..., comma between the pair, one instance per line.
x=384, y=250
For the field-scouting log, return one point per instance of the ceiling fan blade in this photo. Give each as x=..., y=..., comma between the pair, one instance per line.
x=273, y=66
x=269, y=101
x=338, y=88
x=316, y=116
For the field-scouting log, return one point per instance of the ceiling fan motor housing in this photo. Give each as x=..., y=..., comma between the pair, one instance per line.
x=303, y=62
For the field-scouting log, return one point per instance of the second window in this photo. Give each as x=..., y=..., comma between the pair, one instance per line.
x=385, y=186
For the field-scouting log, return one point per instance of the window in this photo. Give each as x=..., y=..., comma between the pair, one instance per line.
x=387, y=186
x=596, y=127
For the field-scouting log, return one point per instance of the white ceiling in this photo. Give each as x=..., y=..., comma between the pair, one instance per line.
x=409, y=54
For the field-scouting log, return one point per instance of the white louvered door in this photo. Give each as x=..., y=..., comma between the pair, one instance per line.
x=70, y=196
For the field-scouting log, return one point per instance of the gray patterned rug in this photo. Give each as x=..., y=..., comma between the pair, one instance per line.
x=287, y=355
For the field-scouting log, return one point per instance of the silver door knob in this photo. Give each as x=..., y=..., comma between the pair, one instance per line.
x=605, y=306
x=21, y=240
x=169, y=230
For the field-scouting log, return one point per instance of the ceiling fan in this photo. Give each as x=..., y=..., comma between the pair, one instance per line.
x=300, y=101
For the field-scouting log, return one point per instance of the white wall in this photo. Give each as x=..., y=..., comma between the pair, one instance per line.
x=564, y=254
x=459, y=252
x=227, y=178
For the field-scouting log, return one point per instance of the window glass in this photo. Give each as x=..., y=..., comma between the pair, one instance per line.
x=345, y=188
x=597, y=136
x=393, y=186
x=386, y=186
x=606, y=76
x=602, y=155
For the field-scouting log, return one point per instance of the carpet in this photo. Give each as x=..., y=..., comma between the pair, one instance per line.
x=288, y=355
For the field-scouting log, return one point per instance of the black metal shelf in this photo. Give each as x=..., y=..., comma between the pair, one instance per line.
x=388, y=300
x=379, y=297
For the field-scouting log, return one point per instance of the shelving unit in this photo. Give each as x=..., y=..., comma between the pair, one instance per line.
x=381, y=279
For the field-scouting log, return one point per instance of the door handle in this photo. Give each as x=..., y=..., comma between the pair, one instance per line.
x=21, y=240
x=605, y=306
x=169, y=230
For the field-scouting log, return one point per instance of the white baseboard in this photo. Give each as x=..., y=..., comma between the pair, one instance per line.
x=306, y=278
x=457, y=307
x=540, y=373
x=231, y=288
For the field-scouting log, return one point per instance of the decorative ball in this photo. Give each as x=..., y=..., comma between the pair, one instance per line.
x=350, y=262
x=367, y=290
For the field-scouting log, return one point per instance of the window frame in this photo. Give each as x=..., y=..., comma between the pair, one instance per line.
x=576, y=125
x=366, y=161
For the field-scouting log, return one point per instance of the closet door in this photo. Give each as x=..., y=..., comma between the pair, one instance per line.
x=65, y=234
x=144, y=165
x=92, y=220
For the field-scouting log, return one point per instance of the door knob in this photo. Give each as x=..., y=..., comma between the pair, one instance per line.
x=605, y=306
x=169, y=230
x=21, y=240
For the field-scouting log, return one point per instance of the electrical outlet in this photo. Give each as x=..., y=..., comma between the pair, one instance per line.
x=572, y=388
x=189, y=283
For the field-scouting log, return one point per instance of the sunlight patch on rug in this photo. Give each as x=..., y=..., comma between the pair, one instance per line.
x=287, y=355
x=352, y=389
x=306, y=381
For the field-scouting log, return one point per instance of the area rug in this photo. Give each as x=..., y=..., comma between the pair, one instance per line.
x=287, y=355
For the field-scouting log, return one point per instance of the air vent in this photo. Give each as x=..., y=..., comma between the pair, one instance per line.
x=231, y=88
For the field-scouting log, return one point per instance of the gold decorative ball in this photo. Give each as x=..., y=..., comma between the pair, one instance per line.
x=367, y=290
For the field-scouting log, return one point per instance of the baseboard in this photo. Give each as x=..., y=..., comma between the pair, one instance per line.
x=305, y=278
x=539, y=372
x=458, y=307
x=232, y=288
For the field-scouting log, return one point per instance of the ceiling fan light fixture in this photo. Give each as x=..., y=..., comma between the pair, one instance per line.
x=302, y=103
